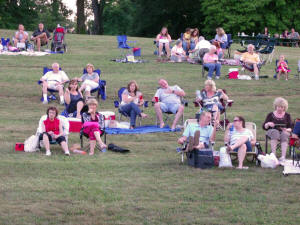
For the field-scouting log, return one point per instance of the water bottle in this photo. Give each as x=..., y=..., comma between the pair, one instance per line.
x=79, y=152
x=103, y=150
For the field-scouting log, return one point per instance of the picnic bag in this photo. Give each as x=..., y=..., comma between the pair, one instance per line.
x=31, y=143
x=225, y=160
x=203, y=158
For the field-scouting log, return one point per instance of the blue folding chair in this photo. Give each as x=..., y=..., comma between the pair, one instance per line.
x=123, y=45
x=229, y=42
x=118, y=102
x=52, y=91
x=101, y=89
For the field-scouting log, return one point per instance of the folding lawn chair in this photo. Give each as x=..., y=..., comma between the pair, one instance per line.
x=123, y=45
x=275, y=75
x=255, y=148
x=228, y=46
x=121, y=113
x=269, y=50
x=101, y=89
x=52, y=91
x=226, y=104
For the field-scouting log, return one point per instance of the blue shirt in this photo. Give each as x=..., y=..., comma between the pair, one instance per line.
x=205, y=132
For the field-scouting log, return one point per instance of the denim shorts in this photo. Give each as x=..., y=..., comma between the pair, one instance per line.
x=169, y=107
x=249, y=147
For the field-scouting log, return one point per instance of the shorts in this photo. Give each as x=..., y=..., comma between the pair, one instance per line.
x=278, y=135
x=52, y=85
x=169, y=107
x=59, y=140
x=249, y=147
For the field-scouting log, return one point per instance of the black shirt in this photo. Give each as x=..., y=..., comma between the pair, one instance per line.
x=38, y=32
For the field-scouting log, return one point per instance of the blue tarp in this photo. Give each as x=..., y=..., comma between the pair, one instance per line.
x=140, y=130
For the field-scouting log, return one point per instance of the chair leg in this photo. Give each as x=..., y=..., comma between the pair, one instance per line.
x=266, y=144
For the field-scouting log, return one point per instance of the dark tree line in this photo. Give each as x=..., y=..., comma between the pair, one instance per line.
x=146, y=17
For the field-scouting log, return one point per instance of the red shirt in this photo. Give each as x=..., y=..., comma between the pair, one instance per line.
x=52, y=125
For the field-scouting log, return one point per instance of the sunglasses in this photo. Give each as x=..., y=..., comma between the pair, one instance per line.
x=235, y=120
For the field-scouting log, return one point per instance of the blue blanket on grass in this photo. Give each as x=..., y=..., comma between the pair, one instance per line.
x=140, y=130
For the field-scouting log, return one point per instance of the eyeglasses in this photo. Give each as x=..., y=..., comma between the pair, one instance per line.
x=235, y=120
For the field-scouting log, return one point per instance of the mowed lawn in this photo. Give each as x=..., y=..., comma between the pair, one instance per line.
x=149, y=185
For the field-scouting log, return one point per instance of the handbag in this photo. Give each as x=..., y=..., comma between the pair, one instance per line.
x=31, y=143
x=203, y=158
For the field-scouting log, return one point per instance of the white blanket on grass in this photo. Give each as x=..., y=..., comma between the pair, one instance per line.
x=25, y=53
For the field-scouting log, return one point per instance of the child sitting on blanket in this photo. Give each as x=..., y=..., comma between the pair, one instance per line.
x=282, y=67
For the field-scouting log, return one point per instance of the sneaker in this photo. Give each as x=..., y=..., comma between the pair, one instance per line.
x=256, y=77
x=281, y=159
x=48, y=153
x=67, y=153
x=217, y=77
x=45, y=102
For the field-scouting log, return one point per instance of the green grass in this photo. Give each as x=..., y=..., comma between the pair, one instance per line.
x=149, y=185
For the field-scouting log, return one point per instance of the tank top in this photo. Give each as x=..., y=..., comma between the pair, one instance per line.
x=52, y=125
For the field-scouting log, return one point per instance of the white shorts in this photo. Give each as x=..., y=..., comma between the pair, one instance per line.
x=52, y=85
x=90, y=85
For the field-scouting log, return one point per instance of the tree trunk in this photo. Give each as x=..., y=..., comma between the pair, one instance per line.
x=80, y=17
x=98, y=12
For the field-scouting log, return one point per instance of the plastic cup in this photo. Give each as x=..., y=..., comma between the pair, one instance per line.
x=156, y=99
x=141, y=97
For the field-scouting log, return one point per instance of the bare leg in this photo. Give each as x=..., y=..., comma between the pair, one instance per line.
x=46, y=142
x=64, y=146
x=159, y=114
x=239, y=142
x=168, y=50
x=38, y=44
x=15, y=42
x=286, y=75
x=177, y=116
x=160, y=47
x=241, y=155
x=87, y=94
x=273, y=146
x=60, y=90
x=92, y=147
x=98, y=138
x=79, y=108
x=278, y=75
x=45, y=86
x=256, y=72
x=283, y=149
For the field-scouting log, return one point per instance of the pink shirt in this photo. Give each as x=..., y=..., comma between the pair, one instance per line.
x=210, y=58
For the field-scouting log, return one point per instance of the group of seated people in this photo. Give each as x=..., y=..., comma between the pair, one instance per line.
x=188, y=47
x=40, y=36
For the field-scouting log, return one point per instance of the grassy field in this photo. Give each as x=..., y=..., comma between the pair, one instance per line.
x=149, y=185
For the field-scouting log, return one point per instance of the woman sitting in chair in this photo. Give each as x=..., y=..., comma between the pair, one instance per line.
x=52, y=130
x=221, y=37
x=73, y=99
x=210, y=98
x=90, y=80
x=210, y=61
x=278, y=125
x=163, y=40
x=132, y=98
x=92, y=121
x=239, y=139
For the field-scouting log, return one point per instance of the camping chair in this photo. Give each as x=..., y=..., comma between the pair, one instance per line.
x=83, y=135
x=275, y=75
x=167, y=115
x=226, y=104
x=184, y=148
x=293, y=149
x=268, y=50
x=65, y=126
x=255, y=148
x=228, y=46
x=52, y=91
x=121, y=113
x=101, y=89
x=123, y=45
x=245, y=67
x=257, y=45
x=58, y=44
x=164, y=51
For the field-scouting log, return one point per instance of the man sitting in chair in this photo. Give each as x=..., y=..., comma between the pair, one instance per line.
x=40, y=36
x=21, y=36
x=251, y=60
x=168, y=99
x=55, y=80
x=200, y=134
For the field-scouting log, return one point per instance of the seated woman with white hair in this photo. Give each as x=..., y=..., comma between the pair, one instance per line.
x=90, y=80
x=177, y=52
x=278, y=125
x=210, y=61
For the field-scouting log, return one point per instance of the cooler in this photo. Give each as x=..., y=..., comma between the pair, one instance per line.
x=108, y=115
x=75, y=125
x=233, y=73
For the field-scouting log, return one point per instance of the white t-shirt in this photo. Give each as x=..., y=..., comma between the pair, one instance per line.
x=235, y=135
x=175, y=51
x=55, y=77
x=135, y=101
x=203, y=44
x=168, y=97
